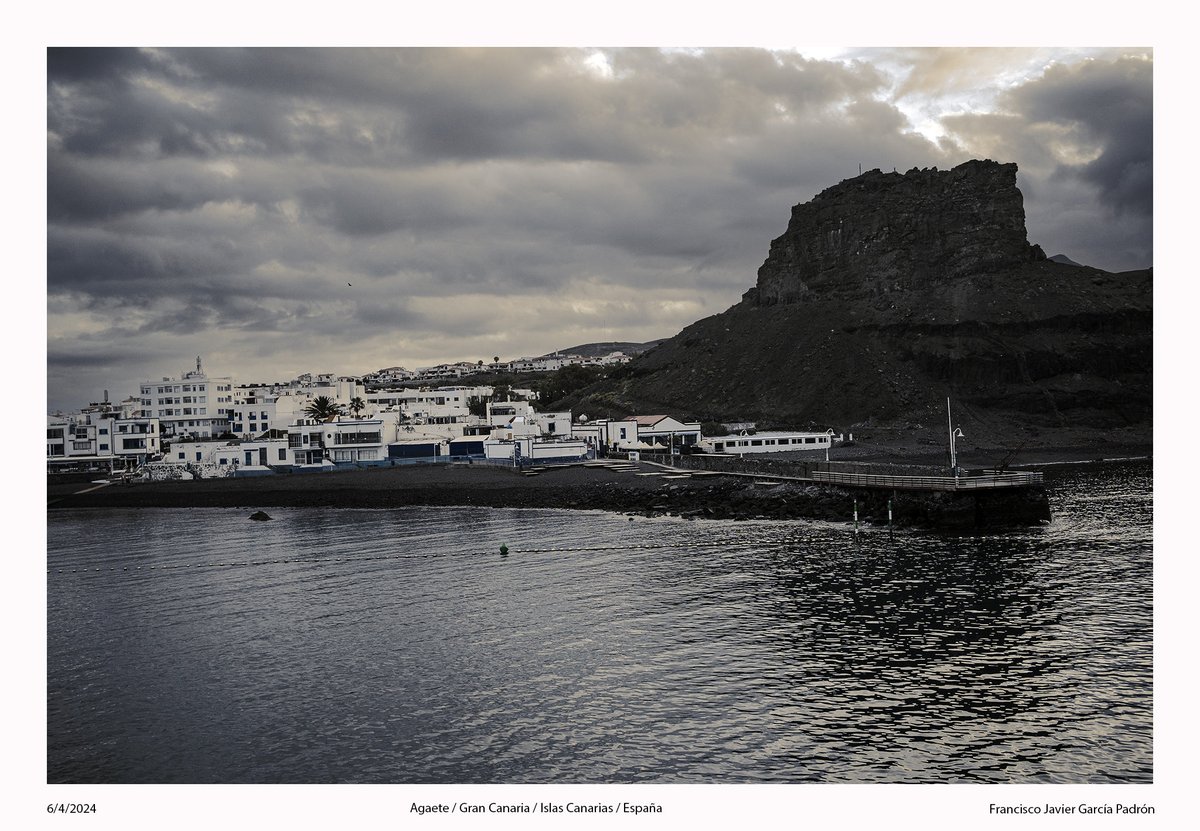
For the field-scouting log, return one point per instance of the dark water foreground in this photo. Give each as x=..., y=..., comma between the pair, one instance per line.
x=340, y=645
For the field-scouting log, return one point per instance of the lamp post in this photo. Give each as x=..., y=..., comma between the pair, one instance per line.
x=954, y=433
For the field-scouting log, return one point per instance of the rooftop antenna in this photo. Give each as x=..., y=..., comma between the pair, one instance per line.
x=197, y=364
x=860, y=168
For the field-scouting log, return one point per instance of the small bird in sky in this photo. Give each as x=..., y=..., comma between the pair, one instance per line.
x=348, y=284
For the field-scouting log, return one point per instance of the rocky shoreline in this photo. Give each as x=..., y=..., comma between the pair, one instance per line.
x=712, y=496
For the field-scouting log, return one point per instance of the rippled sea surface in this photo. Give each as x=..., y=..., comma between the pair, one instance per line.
x=400, y=646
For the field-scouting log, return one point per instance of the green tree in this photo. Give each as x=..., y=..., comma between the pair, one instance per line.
x=357, y=405
x=323, y=407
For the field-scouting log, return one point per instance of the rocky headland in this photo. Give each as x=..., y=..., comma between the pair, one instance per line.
x=890, y=292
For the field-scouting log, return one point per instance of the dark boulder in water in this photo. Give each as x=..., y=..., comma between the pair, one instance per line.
x=260, y=516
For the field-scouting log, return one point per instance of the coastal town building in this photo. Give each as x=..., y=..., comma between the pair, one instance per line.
x=667, y=432
x=606, y=435
x=209, y=426
x=195, y=404
x=314, y=442
x=771, y=442
x=100, y=441
x=229, y=456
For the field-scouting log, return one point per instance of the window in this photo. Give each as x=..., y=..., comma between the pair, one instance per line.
x=282, y=454
x=54, y=433
x=622, y=432
x=199, y=456
x=756, y=442
x=104, y=447
x=104, y=431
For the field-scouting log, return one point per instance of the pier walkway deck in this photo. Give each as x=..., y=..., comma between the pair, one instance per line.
x=973, y=482
x=987, y=480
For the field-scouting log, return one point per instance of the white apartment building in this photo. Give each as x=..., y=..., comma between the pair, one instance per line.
x=194, y=404
x=101, y=441
x=342, y=440
x=256, y=414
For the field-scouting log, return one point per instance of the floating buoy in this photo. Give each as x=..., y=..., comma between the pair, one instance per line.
x=503, y=550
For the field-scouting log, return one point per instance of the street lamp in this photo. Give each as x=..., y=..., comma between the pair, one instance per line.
x=955, y=432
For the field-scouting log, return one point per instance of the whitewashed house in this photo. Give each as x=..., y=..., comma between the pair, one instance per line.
x=214, y=459
x=669, y=433
x=607, y=435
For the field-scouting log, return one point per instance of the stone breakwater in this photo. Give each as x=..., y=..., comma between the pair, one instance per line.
x=715, y=497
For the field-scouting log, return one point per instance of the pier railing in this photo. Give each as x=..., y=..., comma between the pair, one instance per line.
x=985, y=481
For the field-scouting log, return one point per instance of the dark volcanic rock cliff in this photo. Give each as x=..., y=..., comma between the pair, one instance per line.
x=883, y=232
x=889, y=292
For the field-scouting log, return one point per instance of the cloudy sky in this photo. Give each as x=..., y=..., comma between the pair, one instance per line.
x=280, y=210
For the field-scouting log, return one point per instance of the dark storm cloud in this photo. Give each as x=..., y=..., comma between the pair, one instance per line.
x=503, y=201
x=1082, y=137
x=1110, y=104
x=95, y=66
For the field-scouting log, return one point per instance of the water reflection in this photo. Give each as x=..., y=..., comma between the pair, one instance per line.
x=398, y=646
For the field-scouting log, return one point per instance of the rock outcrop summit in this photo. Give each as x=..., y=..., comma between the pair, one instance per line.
x=889, y=292
x=884, y=232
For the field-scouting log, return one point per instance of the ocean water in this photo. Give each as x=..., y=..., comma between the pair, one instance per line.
x=332, y=646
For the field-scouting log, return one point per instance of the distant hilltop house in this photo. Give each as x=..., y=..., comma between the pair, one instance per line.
x=551, y=363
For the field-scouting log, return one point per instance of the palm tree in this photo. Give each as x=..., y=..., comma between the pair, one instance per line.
x=323, y=408
x=357, y=405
